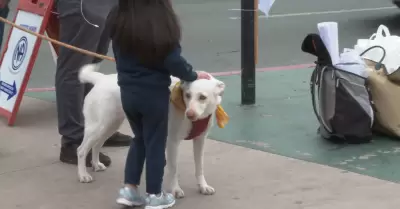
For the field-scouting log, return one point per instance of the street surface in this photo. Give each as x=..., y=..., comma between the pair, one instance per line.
x=211, y=30
x=304, y=172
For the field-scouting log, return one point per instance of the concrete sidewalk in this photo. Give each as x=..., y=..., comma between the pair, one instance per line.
x=31, y=177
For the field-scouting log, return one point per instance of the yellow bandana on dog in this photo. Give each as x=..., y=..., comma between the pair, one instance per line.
x=177, y=99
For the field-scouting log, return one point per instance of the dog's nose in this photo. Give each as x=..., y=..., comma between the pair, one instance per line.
x=190, y=114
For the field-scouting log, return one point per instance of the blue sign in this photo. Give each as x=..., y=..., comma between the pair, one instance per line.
x=19, y=53
x=31, y=28
x=9, y=89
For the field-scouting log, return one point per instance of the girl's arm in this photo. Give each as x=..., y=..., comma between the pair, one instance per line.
x=105, y=38
x=179, y=67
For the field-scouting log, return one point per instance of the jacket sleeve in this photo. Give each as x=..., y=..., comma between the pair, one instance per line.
x=177, y=66
x=105, y=37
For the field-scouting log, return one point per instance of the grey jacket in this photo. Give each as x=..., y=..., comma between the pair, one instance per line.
x=94, y=10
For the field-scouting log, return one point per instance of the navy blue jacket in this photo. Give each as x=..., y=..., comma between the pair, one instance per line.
x=134, y=77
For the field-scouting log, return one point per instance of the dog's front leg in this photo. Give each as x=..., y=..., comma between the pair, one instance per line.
x=198, y=152
x=172, y=165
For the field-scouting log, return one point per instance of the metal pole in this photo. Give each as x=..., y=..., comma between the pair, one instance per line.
x=248, y=62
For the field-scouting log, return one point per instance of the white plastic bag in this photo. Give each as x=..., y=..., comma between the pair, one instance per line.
x=376, y=39
x=351, y=61
x=389, y=42
x=363, y=44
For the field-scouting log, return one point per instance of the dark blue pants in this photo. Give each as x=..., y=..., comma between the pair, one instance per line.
x=147, y=114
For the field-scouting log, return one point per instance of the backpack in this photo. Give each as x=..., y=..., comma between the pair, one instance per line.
x=341, y=101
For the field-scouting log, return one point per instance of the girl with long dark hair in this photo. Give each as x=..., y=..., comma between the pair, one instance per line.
x=146, y=42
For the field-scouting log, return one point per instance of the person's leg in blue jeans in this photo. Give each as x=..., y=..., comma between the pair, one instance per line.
x=129, y=195
x=148, y=118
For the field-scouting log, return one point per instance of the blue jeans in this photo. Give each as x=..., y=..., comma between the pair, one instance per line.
x=3, y=13
x=148, y=118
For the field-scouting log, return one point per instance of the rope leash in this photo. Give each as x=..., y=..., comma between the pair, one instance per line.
x=83, y=51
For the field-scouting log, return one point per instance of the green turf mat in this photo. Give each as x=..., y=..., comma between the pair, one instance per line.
x=283, y=123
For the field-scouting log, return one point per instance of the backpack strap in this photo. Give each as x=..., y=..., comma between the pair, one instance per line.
x=315, y=81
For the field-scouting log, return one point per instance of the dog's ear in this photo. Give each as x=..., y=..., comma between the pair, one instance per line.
x=183, y=84
x=219, y=87
x=219, y=91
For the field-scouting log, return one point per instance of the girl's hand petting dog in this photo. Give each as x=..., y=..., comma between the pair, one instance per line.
x=203, y=75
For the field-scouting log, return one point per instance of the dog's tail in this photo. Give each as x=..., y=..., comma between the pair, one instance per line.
x=89, y=74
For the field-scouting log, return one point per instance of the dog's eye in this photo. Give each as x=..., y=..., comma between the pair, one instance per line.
x=187, y=95
x=202, y=97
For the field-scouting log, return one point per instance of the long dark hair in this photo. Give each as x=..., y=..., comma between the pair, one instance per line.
x=146, y=29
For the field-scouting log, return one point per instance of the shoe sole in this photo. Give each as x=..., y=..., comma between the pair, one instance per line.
x=160, y=206
x=75, y=162
x=116, y=144
x=128, y=203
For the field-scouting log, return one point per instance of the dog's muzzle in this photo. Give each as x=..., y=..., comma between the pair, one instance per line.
x=191, y=115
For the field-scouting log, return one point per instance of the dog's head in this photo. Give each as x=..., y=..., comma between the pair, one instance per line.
x=202, y=97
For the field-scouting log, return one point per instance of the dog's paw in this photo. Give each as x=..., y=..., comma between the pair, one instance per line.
x=97, y=167
x=178, y=192
x=206, y=189
x=85, y=178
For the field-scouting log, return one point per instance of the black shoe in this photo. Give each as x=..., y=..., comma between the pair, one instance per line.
x=68, y=155
x=118, y=140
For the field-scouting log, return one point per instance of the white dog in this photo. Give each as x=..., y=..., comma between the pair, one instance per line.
x=104, y=114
